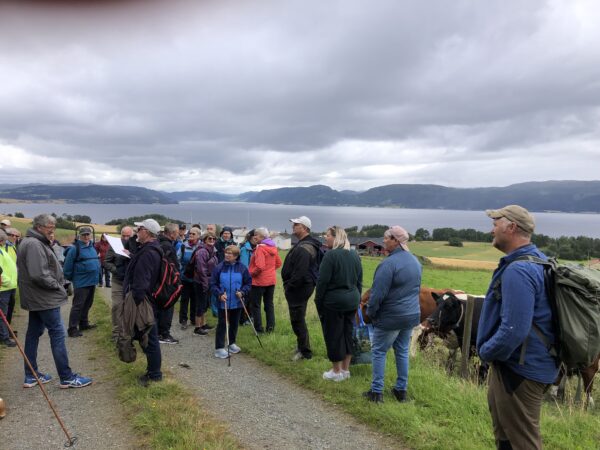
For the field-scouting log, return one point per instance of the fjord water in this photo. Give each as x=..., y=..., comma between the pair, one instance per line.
x=276, y=217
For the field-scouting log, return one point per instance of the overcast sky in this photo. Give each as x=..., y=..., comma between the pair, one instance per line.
x=244, y=95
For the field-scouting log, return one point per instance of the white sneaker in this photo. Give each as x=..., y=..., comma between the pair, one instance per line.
x=221, y=353
x=234, y=349
x=346, y=374
x=332, y=376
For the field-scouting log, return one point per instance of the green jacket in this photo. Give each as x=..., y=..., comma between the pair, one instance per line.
x=9, y=271
x=340, y=281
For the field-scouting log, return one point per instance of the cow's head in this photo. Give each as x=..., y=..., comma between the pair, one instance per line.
x=448, y=313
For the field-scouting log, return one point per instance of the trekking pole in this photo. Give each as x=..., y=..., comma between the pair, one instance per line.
x=227, y=334
x=71, y=439
x=251, y=322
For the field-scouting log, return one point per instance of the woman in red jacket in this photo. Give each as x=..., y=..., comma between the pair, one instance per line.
x=102, y=247
x=263, y=264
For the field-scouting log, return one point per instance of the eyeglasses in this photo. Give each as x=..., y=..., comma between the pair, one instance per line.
x=210, y=239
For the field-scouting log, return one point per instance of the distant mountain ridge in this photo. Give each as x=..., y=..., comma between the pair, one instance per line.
x=84, y=193
x=563, y=196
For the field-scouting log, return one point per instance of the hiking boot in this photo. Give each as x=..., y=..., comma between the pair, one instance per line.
x=76, y=381
x=200, y=331
x=330, y=375
x=299, y=356
x=89, y=326
x=234, y=349
x=400, y=395
x=207, y=327
x=145, y=380
x=74, y=333
x=32, y=382
x=376, y=397
x=168, y=339
x=8, y=342
x=221, y=353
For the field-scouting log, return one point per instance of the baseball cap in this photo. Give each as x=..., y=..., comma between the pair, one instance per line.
x=5, y=222
x=516, y=214
x=85, y=230
x=149, y=224
x=401, y=235
x=303, y=220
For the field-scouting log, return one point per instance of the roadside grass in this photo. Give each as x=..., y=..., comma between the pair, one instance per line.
x=164, y=415
x=446, y=412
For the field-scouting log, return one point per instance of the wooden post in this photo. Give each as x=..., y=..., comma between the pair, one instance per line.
x=466, y=343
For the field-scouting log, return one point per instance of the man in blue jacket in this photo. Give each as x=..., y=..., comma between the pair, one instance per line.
x=522, y=367
x=82, y=268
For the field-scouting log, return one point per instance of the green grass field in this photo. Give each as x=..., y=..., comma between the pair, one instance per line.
x=446, y=412
x=475, y=251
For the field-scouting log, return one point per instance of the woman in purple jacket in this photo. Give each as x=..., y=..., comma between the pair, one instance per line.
x=206, y=260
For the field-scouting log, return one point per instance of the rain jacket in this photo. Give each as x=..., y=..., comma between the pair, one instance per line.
x=230, y=278
x=263, y=264
x=84, y=271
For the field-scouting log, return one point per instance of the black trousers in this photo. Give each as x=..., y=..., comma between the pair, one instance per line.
x=233, y=316
x=83, y=298
x=337, y=332
x=188, y=302
x=164, y=318
x=258, y=293
x=297, y=302
x=11, y=305
x=202, y=300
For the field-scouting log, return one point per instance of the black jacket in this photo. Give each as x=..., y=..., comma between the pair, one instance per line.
x=168, y=248
x=143, y=271
x=299, y=265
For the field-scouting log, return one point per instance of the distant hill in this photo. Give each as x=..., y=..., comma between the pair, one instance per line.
x=201, y=196
x=565, y=196
x=84, y=193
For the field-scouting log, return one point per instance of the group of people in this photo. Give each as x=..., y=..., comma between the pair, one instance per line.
x=242, y=278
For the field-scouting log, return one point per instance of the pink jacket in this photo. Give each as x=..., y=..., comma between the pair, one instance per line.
x=263, y=264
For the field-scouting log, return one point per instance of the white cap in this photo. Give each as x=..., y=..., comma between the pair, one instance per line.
x=303, y=220
x=149, y=224
x=5, y=222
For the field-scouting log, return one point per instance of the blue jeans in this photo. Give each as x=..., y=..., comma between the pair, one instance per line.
x=38, y=321
x=152, y=351
x=381, y=341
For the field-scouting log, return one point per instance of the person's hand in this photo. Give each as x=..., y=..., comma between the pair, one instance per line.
x=223, y=297
x=239, y=294
x=127, y=252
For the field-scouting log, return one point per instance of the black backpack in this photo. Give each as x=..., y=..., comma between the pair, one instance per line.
x=168, y=286
x=316, y=258
x=190, y=267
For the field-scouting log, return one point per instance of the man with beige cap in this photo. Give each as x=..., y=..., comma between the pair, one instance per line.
x=515, y=312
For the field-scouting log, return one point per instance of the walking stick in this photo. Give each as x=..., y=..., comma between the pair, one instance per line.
x=227, y=333
x=251, y=322
x=71, y=439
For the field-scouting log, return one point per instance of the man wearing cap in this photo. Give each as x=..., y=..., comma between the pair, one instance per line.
x=5, y=223
x=82, y=268
x=299, y=275
x=141, y=277
x=516, y=301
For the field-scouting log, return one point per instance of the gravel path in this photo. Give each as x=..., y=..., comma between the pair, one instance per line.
x=92, y=414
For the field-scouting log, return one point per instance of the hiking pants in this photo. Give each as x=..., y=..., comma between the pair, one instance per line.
x=515, y=404
x=188, y=302
x=258, y=293
x=116, y=295
x=297, y=302
x=165, y=319
x=233, y=316
x=83, y=298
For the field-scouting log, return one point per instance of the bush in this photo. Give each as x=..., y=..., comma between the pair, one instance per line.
x=455, y=242
x=20, y=215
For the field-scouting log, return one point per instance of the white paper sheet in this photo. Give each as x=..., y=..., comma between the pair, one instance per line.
x=116, y=245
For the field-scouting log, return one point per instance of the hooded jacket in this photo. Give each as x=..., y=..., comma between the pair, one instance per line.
x=299, y=263
x=41, y=280
x=206, y=260
x=230, y=278
x=246, y=252
x=263, y=264
x=9, y=271
x=84, y=271
x=222, y=244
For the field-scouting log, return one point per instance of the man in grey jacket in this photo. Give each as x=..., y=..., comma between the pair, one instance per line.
x=42, y=292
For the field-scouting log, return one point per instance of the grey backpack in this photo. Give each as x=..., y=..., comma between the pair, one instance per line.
x=574, y=296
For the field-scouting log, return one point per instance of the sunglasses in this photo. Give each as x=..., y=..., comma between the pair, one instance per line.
x=210, y=239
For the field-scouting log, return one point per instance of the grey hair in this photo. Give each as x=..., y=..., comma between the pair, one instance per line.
x=171, y=227
x=262, y=232
x=43, y=220
x=3, y=236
